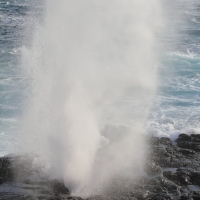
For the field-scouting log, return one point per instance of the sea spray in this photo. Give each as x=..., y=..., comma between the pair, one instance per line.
x=90, y=63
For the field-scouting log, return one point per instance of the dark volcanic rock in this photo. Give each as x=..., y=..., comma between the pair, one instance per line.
x=179, y=165
x=189, y=142
x=195, y=178
x=6, y=171
x=59, y=188
x=172, y=172
x=187, y=151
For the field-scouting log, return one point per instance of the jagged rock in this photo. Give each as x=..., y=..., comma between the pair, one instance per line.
x=183, y=176
x=189, y=142
x=183, y=137
x=6, y=172
x=171, y=176
x=153, y=169
x=172, y=172
x=59, y=188
x=195, y=195
x=195, y=178
x=1, y=180
x=185, y=197
x=183, y=165
x=187, y=151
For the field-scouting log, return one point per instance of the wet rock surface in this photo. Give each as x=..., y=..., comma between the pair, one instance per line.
x=179, y=177
x=172, y=172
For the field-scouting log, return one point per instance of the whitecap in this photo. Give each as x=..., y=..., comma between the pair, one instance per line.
x=194, y=20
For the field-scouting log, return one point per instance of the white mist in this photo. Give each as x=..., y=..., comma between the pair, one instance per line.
x=91, y=63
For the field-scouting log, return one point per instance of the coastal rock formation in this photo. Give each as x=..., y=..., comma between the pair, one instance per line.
x=178, y=168
x=172, y=172
x=6, y=171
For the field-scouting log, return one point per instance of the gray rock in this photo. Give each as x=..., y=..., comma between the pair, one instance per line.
x=172, y=172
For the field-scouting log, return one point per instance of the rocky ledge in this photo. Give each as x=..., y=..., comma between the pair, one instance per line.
x=172, y=172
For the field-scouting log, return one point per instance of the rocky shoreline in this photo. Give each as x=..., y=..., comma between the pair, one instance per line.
x=172, y=172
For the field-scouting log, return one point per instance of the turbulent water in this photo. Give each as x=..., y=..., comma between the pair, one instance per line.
x=13, y=85
x=176, y=105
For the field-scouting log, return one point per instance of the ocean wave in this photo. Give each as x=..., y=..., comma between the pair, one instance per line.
x=194, y=20
x=171, y=128
x=13, y=120
x=188, y=55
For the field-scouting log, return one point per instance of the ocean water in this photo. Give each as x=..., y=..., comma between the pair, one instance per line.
x=176, y=105
x=15, y=16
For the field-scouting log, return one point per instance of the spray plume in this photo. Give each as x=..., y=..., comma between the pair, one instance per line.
x=91, y=63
